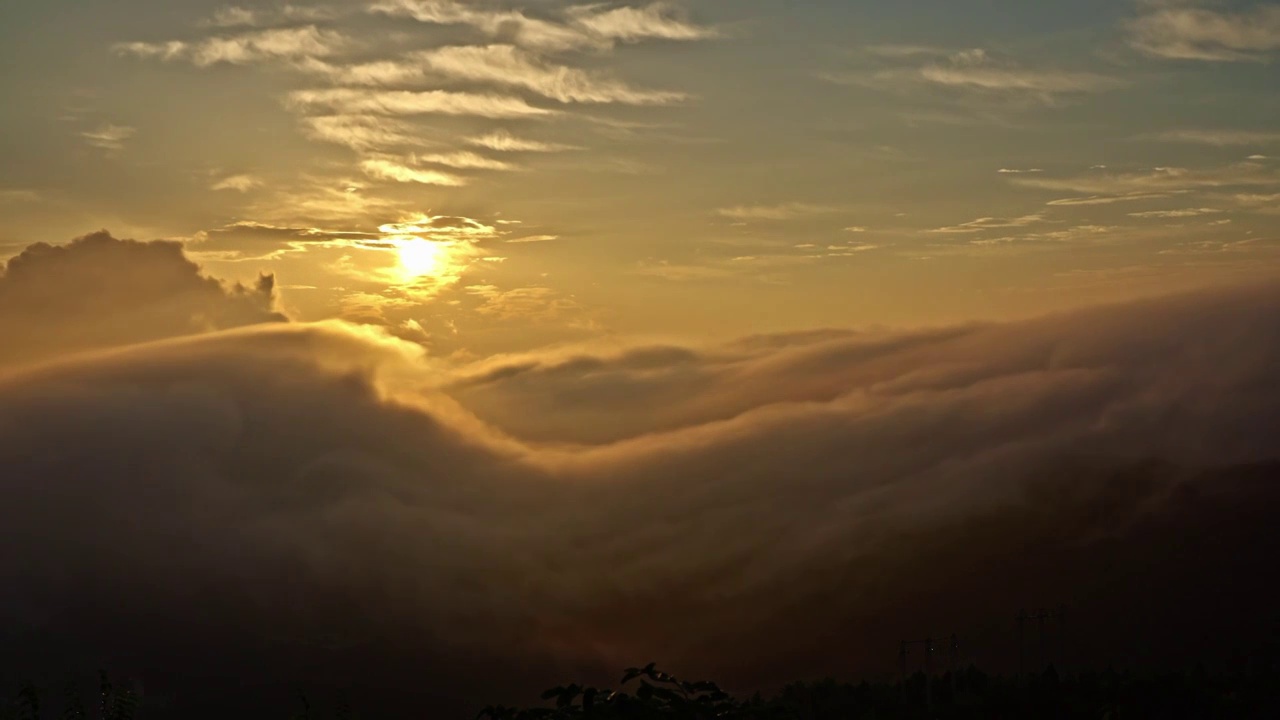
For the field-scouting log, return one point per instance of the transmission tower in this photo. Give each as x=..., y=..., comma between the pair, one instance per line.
x=1043, y=653
x=930, y=645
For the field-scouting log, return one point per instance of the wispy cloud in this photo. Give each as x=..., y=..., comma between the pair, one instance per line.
x=109, y=137
x=1107, y=199
x=510, y=66
x=1216, y=138
x=1175, y=214
x=360, y=132
x=589, y=26
x=233, y=16
x=783, y=211
x=1161, y=179
x=978, y=70
x=526, y=303
x=503, y=141
x=406, y=102
x=850, y=249
x=1014, y=171
x=18, y=196
x=989, y=223
x=494, y=65
x=442, y=227
x=391, y=170
x=1074, y=234
x=897, y=51
x=238, y=183
x=250, y=47
x=1184, y=31
x=463, y=159
x=974, y=71
x=660, y=20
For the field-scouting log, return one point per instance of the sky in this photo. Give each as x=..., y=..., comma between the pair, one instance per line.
x=558, y=172
x=454, y=350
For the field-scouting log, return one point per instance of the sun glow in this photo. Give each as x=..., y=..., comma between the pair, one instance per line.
x=421, y=257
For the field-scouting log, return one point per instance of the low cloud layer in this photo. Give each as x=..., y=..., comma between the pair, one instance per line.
x=323, y=504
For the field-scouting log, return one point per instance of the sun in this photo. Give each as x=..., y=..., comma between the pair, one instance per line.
x=421, y=257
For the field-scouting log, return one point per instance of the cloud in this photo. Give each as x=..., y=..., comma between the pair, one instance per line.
x=583, y=27
x=776, y=507
x=239, y=183
x=782, y=211
x=850, y=249
x=988, y=223
x=405, y=102
x=1169, y=214
x=97, y=291
x=1012, y=171
x=399, y=172
x=233, y=16
x=1107, y=199
x=1216, y=138
x=441, y=227
x=1258, y=200
x=463, y=159
x=1074, y=234
x=1182, y=31
x=500, y=65
x=898, y=51
x=504, y=141
x=109, y=137
x=976, y=70
x=1156, y=180
x=660, y=20
x=242, y=49
x=526, y=303
x=1003, y=79
x=18, y=196
x=247, y=240
x=510, y=66
x=361, y=132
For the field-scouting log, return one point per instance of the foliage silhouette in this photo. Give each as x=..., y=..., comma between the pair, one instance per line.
x=1249, y=693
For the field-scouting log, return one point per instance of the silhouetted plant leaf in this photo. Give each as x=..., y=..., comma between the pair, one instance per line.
x=645, y=692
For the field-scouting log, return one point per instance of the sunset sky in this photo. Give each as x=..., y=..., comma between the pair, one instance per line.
x=555, y=172
x=444, y=347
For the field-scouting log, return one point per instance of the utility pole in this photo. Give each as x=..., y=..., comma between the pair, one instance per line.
x=928, y=673
x=1022, y=649
x=1062, y=640
x=1042, y=650
x=902, y=661
x=904, y=647
x=1040, y=616
x=955, y=664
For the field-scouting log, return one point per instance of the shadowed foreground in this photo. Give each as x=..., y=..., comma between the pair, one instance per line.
x=1250, y=690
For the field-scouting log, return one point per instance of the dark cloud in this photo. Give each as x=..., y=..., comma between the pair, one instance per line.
x=287, y=503
x=262, y=241
x=98, y=291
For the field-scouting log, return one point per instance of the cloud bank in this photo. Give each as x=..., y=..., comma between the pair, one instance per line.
x=98, y=291
x=324, y=504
